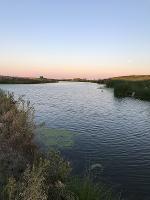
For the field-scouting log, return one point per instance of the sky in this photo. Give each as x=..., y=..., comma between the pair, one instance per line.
x=74, y=38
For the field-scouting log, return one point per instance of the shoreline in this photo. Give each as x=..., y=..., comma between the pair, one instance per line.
x=25, y=80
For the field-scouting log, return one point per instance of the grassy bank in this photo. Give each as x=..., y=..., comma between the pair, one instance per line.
x=28, y=174
x=23, y=80
x=131, y=86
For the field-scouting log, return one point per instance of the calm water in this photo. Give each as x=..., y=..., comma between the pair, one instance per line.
x=112, y=132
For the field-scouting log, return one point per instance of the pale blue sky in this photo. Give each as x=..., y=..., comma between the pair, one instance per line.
x=70, y=38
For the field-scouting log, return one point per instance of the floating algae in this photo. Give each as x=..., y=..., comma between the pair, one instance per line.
x=54, y=138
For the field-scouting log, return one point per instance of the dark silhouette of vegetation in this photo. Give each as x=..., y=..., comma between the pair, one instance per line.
x=133, y=86
x=22, y=80
x=25, y=172
x=99, y=81
x=41, y=79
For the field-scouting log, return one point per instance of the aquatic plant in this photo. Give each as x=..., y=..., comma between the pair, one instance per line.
x=139, y=89
x=85, y=189
x=54, y=138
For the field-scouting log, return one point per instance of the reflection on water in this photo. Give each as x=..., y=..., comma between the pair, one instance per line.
x=112, y=133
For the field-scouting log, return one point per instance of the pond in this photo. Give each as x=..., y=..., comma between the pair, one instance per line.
x=110, y=134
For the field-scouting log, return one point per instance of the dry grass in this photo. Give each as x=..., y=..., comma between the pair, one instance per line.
x=133, y=78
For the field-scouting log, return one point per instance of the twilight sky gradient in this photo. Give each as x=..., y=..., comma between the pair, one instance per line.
x=74, y=38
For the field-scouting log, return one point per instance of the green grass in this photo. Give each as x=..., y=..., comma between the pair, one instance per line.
x=131, y=86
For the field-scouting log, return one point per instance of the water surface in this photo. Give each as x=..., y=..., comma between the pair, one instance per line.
x=112, y=132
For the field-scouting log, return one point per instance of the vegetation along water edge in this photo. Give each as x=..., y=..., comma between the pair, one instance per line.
x=28, y=173
x=25, y=80
x=130, y=86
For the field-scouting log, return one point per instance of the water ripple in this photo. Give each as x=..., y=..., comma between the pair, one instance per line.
x=113, y=132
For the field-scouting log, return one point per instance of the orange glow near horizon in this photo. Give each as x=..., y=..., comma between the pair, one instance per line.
x=89, y=72
x=71, y=66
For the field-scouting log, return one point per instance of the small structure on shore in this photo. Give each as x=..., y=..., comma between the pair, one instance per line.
x=41, y=77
